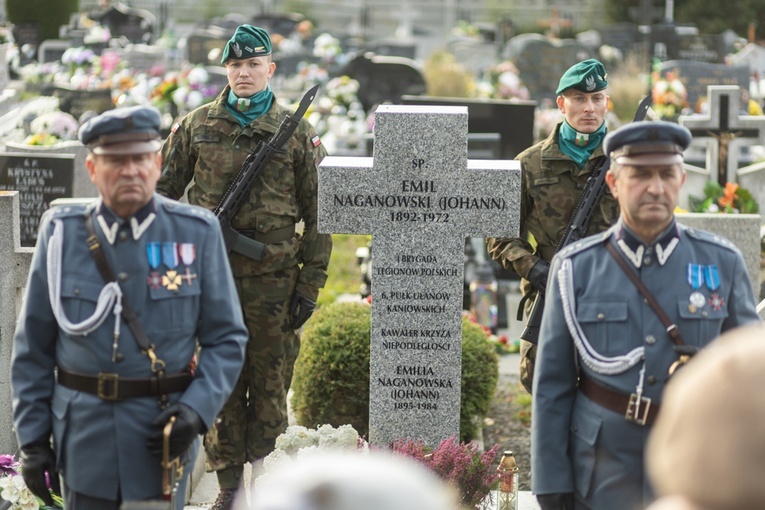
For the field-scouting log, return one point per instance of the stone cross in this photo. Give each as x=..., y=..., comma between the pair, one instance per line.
x=647, y=13
x=724, y=130
x=419, y=197
x=14, y=268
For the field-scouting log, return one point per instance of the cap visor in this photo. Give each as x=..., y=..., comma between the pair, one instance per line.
x=141, y=147
x=650, y=159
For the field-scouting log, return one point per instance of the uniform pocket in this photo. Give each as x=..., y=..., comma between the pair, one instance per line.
x=699, y=325
x=585, y=428
x=79, y=295
x=176, y=302
x=603, y=323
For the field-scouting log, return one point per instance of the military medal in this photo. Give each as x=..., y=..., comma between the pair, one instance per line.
x=153, y=280
x=170, y=255
x=695, y=279
x=716, y=302
x=188, y=253
x=172, y=280
x=154, y=257
x=711, y=277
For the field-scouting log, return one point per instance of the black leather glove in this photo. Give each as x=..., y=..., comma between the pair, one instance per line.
x=188, y=425
x=560, y=501
x=538, y=275
x=37, y=461
x=301, y=308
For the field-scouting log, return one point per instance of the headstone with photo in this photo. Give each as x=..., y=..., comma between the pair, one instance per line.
x=27, y=37
x=136, y=25
x=674, y=42
x=697, y=76
x=76, y=101
x=542, y=61
x=143, y=57
x=724, y=131
x=39, y=180
x=14, y=268
x=384, y=78
x=205, y=45
x=419, y=197
x=51, y=50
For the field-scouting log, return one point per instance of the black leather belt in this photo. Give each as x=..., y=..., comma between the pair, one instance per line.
x=272, y=237
x=107, y=386
x=640, y=410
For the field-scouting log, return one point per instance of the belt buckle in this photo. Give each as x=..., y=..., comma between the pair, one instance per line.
x=635, y=413
x=108, y=389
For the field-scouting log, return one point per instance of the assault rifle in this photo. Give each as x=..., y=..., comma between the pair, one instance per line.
x=577, y=227
x=239, y=190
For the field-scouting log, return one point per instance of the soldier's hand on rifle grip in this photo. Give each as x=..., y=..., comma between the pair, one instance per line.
x=301, y=308
x=38, y=462
x=538, y=275
x=188, y=425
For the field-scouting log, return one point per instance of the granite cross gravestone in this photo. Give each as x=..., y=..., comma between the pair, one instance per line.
x=14, y=268
x=39, y=180
x=725, y=130
x=419, y=197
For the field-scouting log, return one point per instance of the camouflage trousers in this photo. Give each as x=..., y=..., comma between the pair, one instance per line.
x=256, y=412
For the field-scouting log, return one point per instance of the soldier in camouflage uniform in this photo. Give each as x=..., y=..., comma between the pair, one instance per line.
x=279, y=291
x=553, y=174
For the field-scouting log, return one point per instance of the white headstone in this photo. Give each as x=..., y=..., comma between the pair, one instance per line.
x=14, y=268
x=420, y=197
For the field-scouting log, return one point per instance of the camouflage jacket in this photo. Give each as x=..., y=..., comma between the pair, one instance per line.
x=551, y=184
x=208, y=147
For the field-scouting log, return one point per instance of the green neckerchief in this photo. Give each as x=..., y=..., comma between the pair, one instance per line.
x=579, y=146
x=247, y=109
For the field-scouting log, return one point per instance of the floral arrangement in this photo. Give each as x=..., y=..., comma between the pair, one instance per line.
x=502, y=82
x=15, y=491
x=327, y=48
x=463, y=465
x=502, y=345
x=51, y=128
x=669, y=96
x=298, y=441
x=343, y=90
x=730, y=199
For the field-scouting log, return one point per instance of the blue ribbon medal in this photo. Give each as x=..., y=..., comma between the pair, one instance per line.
x=695, y=279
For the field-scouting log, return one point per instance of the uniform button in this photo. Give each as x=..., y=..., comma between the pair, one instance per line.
x=647, y=261
x=650, y=339
x=645, y=301
x=123, y=236
x=651, y=380
x=601, y=316
x=122, y=277
x=76, y=292
x=260, y=226
x=236, y=146
x=704, y=313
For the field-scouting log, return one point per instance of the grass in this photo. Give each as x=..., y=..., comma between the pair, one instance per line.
x=344, y=275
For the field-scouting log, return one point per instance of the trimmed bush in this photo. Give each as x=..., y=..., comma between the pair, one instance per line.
x=331, y=380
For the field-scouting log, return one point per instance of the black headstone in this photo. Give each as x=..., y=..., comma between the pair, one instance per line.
x=697, y=76
x=136, y=25
x=383, y=78
x=513, y=120
x=78, y=101
x=202, y=41
x=39, y=180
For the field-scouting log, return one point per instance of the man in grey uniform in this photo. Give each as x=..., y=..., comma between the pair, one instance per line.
x=605, y=355
x=81, y=370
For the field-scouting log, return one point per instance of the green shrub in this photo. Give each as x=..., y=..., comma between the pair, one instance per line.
x=331, y=380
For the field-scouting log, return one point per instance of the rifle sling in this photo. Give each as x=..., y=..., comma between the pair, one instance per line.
x=672, y=330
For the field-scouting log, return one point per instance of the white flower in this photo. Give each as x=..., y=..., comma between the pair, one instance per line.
x=198, y=75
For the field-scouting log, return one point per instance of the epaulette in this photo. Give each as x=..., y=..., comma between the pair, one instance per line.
x=68, y=210
x=191, y=211
x=584, y=244
x=710, y=237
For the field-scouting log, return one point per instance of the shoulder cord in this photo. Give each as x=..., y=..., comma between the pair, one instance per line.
x=110, y=297
x=598, y=363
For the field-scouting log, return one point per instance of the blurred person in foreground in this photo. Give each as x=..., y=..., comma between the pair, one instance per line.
x=707, y=449
x=607, y=349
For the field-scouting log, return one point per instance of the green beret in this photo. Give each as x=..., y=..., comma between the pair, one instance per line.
x=586, y=76
x=247, y=42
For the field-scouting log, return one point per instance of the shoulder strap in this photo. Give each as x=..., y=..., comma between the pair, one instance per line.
x=671, y=328
x=128, y=315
